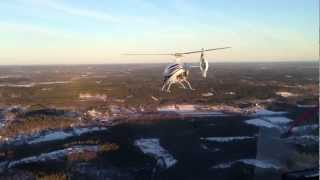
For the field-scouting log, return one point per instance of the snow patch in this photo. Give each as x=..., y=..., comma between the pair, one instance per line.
x=34, y=84
x=51, y=137
x=201, y=114
x=18, y=85
x=81, y=131
x=207, y=94
x=152, y=147
x=304, y=140
x=265, y=112
x=41, y=158
x=253, y=162
x=61, y=135
x=154, y=98
x=285, y=94
x=230, y=93
x=186, y=107
x=10, y=76
x=227, y=139
x=90, y=97
x=261, y=123
x=310, y=137
x=259, y=163
x=53, y=82
x=278, y=120
x=205, y=147
x=54, y=155
x=307, y=105
x=190, y=110
x=305, y=128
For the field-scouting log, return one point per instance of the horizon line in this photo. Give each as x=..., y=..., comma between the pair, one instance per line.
x=148, y=63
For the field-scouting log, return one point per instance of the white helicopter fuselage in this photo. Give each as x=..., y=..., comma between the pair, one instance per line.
x=175, y=73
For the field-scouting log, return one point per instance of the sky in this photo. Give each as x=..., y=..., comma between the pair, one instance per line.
x=100, y=31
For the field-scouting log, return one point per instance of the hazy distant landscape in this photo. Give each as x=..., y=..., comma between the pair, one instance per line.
x=135, y=84
x=112, y=121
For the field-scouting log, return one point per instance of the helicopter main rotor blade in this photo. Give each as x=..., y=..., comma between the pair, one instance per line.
x=175, y=54
x=191, y=52
x=167, y=54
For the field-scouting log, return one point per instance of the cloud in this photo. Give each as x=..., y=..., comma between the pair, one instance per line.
x=34, y=29
x=78, y=12
x=87, y=13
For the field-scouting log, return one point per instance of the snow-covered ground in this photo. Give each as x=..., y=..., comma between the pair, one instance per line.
x=305, y=128
x=278, y=120
x=269, y=122
x=52, y=82
x=32, y=84
x=54, y=155
x=307, y=106
x=152, y=147
x=2, y=119
x=154, y=98
x=201, y=114
x=230, y=93
x=207, y=94
x=92, y=97
x=178, y=107
x=269, y=119
x=253, y=162
x=265, y=112
x=285, y=94
x=18, y=85
x=10, y=76
x=51, y=135
x=59, y=135
x=304, y=140
x=261, y=123
x=205, y=147
x=217, y=110
x=190, y=110
x=227, y=139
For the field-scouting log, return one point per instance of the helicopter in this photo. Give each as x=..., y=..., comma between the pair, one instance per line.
x=178, y=72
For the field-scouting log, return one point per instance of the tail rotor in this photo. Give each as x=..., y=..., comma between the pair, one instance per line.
x=204, y=65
